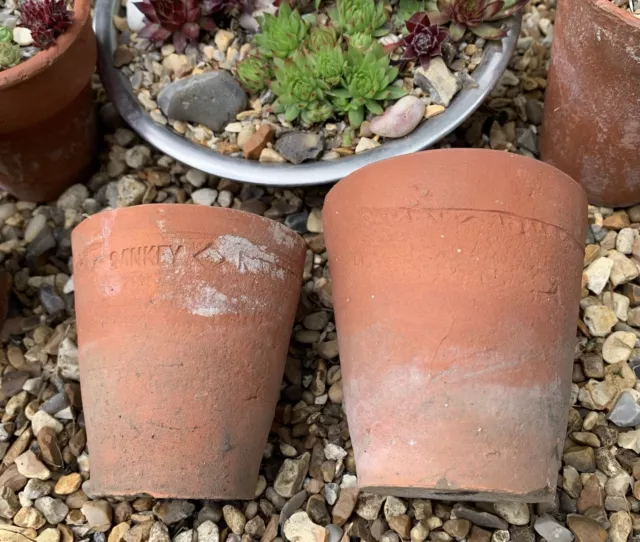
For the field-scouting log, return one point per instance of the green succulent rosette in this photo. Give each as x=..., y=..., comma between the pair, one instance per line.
x=9, y=55
x=361, y=41
x=368, y=80
x=282, y=34
x=299, y=91
x=253, y=73
x=321, y=37
x=6, y=34
x=353, y=16
x=329, y=65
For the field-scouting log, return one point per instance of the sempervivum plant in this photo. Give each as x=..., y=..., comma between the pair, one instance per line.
x=253, y=73
x=6, y=35
x=368, y=79
x=9, y=55
x=352, y=16
x=475, y=15
x=282, y=34
x=321, y=37
x=46, y=19
x=182, y=19
x=299, y=91
x=328, y=64
x=423, y=41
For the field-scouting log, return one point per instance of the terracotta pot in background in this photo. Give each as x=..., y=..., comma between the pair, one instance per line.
x=184, y=315
x=456, y=281
x=48, y=130
x=591, y=127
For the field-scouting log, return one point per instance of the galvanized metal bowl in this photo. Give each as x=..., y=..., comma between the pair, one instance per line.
x=494, y=62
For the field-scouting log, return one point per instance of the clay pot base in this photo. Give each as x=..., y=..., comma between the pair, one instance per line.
x=544, y=495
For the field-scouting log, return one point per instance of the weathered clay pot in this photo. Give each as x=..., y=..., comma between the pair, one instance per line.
x=591, y=128
x=456, y=281
x=184, y=316
x=48, y=131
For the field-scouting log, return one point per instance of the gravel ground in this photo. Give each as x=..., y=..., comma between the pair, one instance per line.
x=45, y=486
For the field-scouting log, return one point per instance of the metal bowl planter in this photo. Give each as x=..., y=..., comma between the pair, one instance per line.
x=487, y=74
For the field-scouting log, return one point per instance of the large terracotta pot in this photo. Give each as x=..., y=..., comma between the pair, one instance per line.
x=48, y=130
x=456, y=281
x=591, y=127
x=184, y=317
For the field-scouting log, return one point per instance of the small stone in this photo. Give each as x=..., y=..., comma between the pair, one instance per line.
x=35, y=226
x=22, y=36
x=138, y=156
x=624, y=240
x=437, y=81
x=571, y=481
x=42, y=419
x=234, y=518
x=616, y=220
x=514, y=513
x=271, y=530
x=458, y=528
x=419, y=533
x=626, y=411
x=433, y=110
x=270, y=156
x=9, y=503
x=54, y=404
x=67, y=363
x=479, y=535
x=581, y=458
x=299, y=528
x=204, y=196
x=369, y=505
x=400, y=119
x=598, y=274
x=297, y=147
x=345, y=505
x=586, y=529
x=291, y=476
x=600, y=320
x=31, y=467
x=29, y=518
x=172, y=511
x=118, y=532
x=317, y=510
x=159, y=533
x=98, y=515
x=552, y=531
x=366, y=144
x=49, y=447
x=49, y=535
x=331, y=493
x=618, y=346
x=54, y=510
x=223, y=39
x=500, y=536
x=314, y=221
x=482, y=519
x=394, y=507
x=211, y=98
x=624, y=269
x=129, y=191
x=292, y=505
x=257, y=143
x=334, y=533
x=68, y=484
x=195, y=177
x=618, y=486
x=36, y=488
x=591, y=496
x=401, y=525
x=621, y=526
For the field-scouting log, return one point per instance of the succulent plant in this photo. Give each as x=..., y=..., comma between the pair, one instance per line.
x=299, y=91
x=321, y=37
x=353, y=16
x=406, y=8
x=475, y=15
x=210, y=7
x=368, y=79
x=423, y=41
x=328, y=64
x=6, y=34
x=46, y=19
x=282, y=34
x=361, y=40
x=253, y=73
x=9, y=55
x=182, y=19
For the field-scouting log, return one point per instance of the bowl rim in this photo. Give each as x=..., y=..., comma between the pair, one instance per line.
x=495, y=60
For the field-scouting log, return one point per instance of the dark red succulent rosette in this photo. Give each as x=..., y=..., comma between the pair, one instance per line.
x=424, y=40
x=46, y=19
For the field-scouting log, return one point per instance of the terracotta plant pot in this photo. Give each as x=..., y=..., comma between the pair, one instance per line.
x=591, y=128
x=48, y=130
x=184, y=316
x=456, y=281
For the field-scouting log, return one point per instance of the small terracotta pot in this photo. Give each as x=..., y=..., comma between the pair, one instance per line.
x=456, y=281
x=591, y=128
x=48, y=130
x=184, y=317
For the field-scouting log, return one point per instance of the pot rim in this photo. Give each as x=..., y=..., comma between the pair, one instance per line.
x=47, y=57
x=164, y=207
x=487, y=74
x=616, y=13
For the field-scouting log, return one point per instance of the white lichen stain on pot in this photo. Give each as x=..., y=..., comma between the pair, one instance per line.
x=282, y=236
x=206, y=300
x=247, y=257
